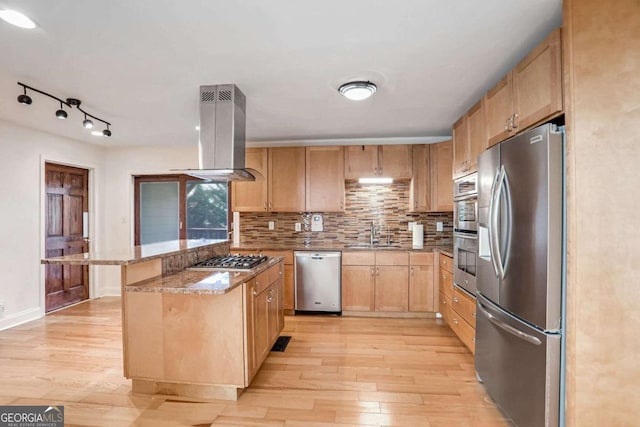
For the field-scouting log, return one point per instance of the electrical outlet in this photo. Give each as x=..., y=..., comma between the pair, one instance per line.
x=272, y=225
x=439, y=226
x=410, y=226
x=298, y=226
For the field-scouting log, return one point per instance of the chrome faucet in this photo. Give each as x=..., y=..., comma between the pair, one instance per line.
x=372, y=234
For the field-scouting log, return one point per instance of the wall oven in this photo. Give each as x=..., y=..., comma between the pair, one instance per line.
x=465, y=231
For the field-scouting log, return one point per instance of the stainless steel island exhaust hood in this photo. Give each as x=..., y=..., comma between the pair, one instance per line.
x=222, y=135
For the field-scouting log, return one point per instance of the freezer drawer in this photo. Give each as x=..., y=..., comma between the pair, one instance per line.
x=318, y=281
x=518, y=365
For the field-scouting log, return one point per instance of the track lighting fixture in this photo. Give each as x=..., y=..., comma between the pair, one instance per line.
x=61, y=113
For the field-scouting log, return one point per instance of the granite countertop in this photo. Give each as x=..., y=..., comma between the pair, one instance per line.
x=134, y=254
x=200, y=282
x=274, y=246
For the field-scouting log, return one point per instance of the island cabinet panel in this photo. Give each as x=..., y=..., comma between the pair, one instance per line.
x=145, y=337
x=252, y=196
x=325, y=179
x=287, y=277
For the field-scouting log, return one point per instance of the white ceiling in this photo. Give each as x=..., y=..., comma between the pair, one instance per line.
x=138, y=64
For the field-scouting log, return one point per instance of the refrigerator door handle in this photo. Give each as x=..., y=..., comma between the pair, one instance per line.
x=494, y=236
x=492, y=224
x=506, y=193
x=507, y=328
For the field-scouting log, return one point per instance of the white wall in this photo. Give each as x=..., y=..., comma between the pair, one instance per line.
x=121, y=165
x=23, y=153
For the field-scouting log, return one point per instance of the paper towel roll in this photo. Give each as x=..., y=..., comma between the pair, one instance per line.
x=236, y=229
x=418, y=236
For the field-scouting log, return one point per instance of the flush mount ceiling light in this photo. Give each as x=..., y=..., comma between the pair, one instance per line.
x=16, y=18
x=61, y=114
x=357, y=91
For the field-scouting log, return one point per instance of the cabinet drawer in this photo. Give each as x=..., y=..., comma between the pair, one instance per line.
x=287, y=255
x=464, y=331
x=392, y=258
x=465, y=306
x=444, y=306
x=446, y=283
x=446, y=263
x=358, y=258
x=266, y=278
x=421, y=258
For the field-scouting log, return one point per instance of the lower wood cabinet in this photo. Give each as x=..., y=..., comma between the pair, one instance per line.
x=457, y=307
x=387, y=282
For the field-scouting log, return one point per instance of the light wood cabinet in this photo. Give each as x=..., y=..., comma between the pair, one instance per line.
x=252, y=196
x=528, y=94
x=368, y=161
x=421, y=289
x=431, y=187
x=287, y=294
x=469, y=140
x=282, y=186
x=286, y=179
x=392, y=281
x=358, y=287
x=325, y=179
x=440, y=156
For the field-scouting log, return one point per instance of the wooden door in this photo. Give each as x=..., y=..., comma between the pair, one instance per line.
x=460, y=148
x=325, y=179
x=477, y=134
x=360, y=161
x=252, y=196
x=419, y=192
x=286, y=179
x=392, y=288
x=440, y=158
x=395, y=161
x=421, y=297
x=358, y=284
x=537, y=83
x=67, y=198
x=499, y=109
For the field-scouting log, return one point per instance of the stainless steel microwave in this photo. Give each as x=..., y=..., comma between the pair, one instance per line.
x=465, y=204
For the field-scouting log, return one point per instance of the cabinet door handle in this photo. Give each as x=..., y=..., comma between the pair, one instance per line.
x=455, y=299
x=455, y=321
x=377, y=271
x=411, y=271
x=506, y=124
x=513, y=120
x=270, y=206
x=372, y=272
x=265, y=206
x=255, y=294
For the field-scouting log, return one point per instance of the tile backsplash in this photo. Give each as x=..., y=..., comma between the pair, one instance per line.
x=386, y=205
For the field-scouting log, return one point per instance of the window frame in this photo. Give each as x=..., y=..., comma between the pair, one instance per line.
x=182, y=195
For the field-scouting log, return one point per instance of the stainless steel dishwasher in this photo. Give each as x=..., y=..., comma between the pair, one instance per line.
x=318, y=281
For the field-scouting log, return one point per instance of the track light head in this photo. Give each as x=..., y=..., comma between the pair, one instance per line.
x=24, y=99
x=106, y=132
x=61, y=114
x=88, y=124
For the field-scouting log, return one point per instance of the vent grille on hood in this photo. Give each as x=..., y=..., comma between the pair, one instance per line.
x=222, y=135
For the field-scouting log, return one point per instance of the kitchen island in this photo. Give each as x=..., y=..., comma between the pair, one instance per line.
x=195, y=334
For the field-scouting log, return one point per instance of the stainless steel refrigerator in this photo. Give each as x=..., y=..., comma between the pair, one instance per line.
x=519, y=321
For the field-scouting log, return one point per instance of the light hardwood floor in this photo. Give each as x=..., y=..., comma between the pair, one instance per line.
x=335, y=371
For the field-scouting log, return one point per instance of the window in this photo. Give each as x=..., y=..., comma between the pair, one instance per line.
x=174, y=207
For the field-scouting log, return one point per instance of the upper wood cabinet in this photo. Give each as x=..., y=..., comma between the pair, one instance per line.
x=368, y=161
x=530, y=93
x=282, y=185
x=286, y=179
x=440, y=156
x=325, y=179
x=252, y=196
x=469, y=140
x=431, y=186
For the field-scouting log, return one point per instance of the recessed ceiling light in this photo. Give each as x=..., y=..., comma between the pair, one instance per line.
x=198, y=128
x=357, y=91
x=16, y=18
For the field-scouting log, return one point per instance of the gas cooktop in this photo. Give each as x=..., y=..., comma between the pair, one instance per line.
x=230, y=262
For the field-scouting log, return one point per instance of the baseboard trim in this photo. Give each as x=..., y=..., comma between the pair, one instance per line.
x=19, y=318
